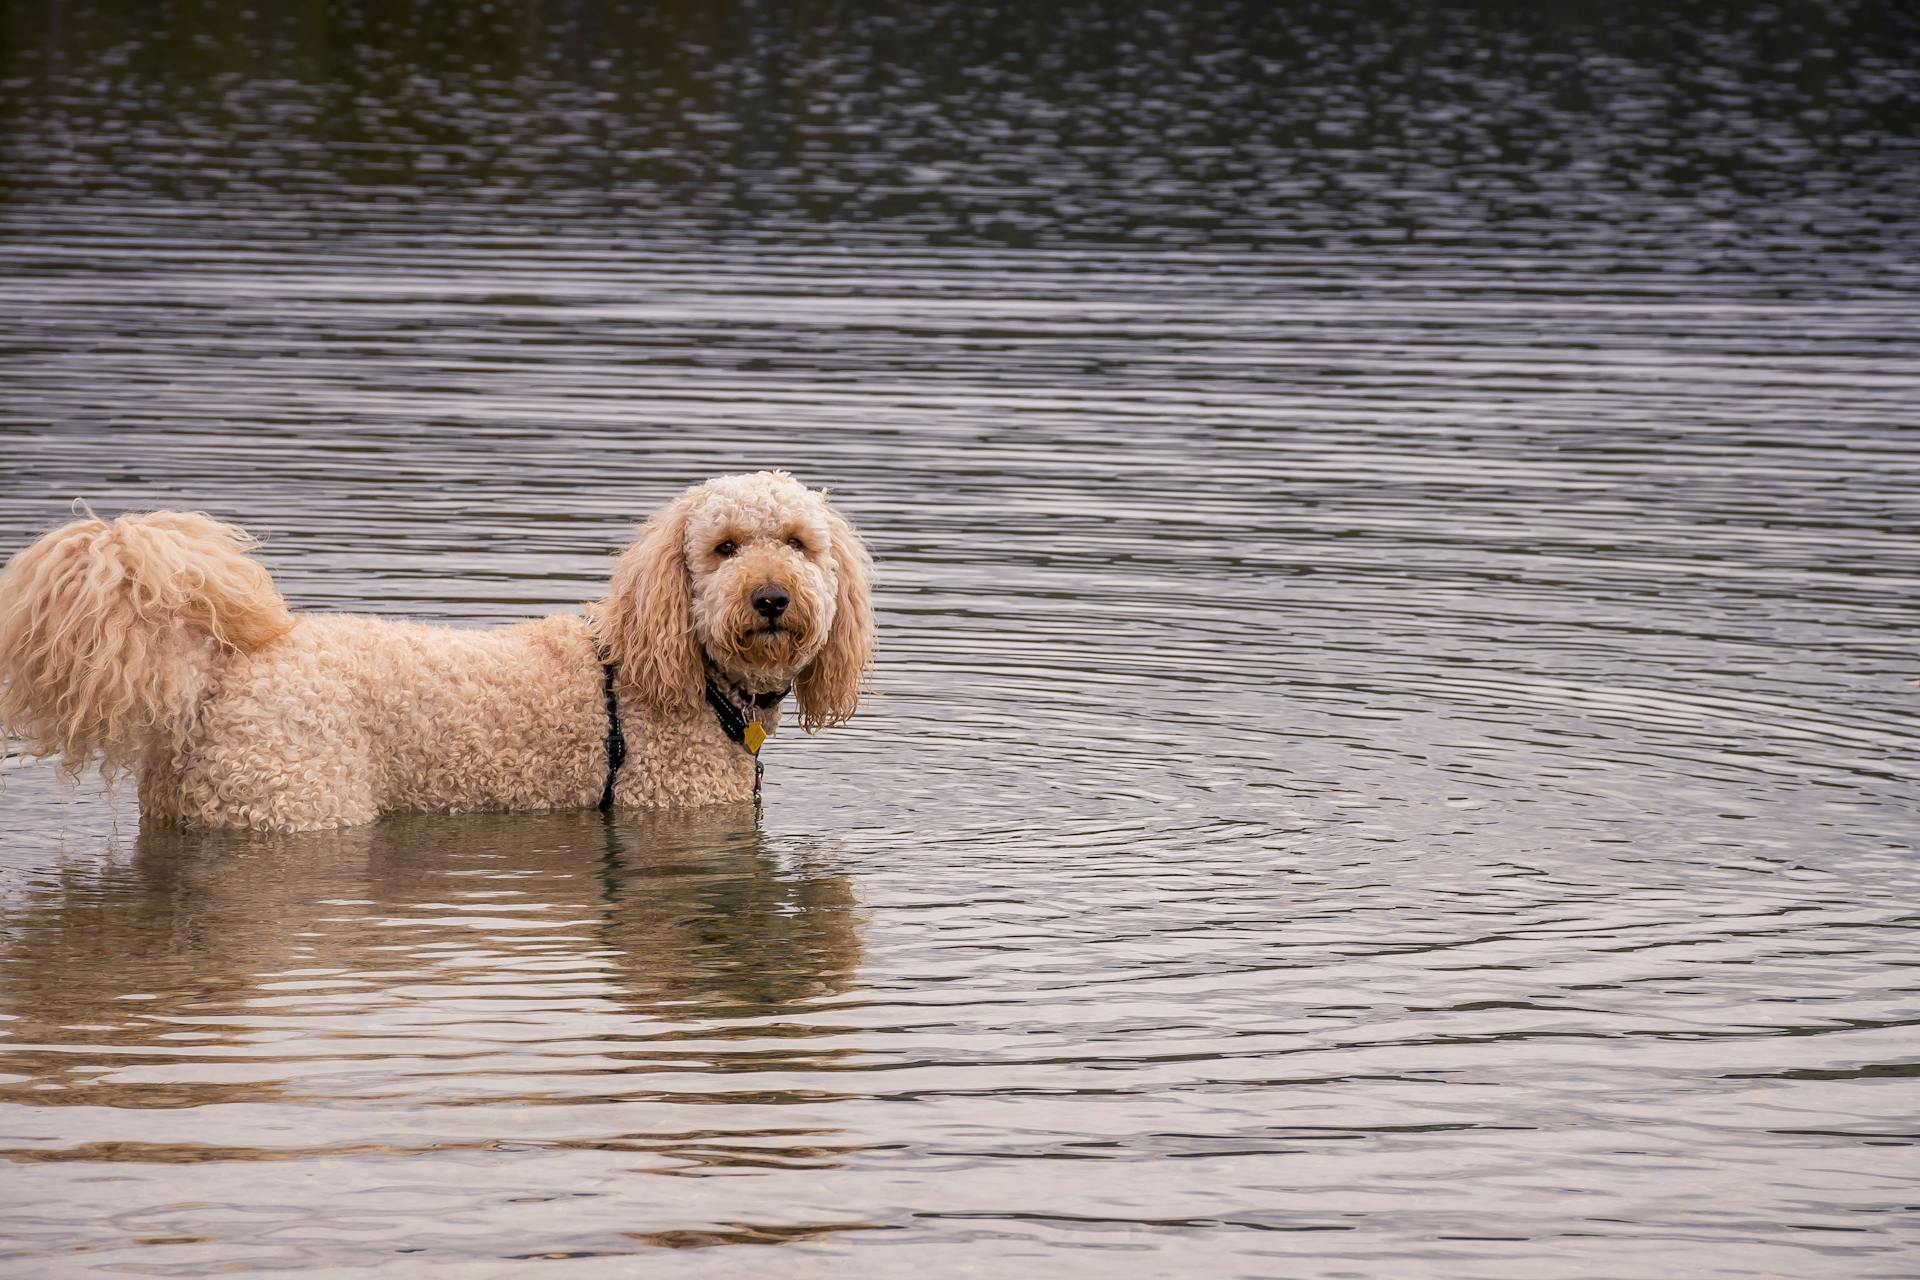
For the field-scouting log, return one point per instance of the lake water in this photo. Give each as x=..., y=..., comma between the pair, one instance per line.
x=1395, y=747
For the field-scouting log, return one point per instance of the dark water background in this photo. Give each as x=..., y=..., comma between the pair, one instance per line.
x=1395, y=751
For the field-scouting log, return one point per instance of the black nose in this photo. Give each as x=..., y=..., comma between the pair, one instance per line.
x=770, y=601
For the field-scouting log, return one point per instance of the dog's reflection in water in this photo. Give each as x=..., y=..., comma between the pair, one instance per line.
x=703, y=914
x=524, y=929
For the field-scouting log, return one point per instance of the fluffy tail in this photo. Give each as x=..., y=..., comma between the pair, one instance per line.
x=107, y=631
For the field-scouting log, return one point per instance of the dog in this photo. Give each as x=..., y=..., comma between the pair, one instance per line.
x=157, y=645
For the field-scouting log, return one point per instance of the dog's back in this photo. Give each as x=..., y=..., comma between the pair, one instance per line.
x=345, y=718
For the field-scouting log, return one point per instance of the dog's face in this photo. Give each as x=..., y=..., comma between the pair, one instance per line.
x=763, y=577
x=755, y=576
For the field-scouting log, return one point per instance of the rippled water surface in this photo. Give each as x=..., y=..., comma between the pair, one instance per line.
x=1394, y=751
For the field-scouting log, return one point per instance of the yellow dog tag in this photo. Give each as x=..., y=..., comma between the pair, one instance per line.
x=755, y=735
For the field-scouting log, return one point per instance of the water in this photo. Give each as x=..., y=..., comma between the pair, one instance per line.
x=1394, y=751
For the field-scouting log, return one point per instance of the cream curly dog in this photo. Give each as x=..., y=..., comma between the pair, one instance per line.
x=156, y=644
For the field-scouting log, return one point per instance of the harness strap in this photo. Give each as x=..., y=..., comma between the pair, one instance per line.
x=616, y=741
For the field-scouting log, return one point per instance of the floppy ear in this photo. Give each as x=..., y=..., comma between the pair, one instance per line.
x=646, y=621
x=829, y=689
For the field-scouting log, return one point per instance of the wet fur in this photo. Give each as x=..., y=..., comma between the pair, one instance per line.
x=155, y=643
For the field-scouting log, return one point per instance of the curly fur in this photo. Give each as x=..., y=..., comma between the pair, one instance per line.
x=108, y=631
x=156, y=643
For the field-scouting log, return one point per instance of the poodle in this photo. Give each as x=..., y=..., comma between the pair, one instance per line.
x=157, y=645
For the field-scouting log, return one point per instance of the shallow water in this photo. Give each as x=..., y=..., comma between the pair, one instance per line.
x=1394, y=753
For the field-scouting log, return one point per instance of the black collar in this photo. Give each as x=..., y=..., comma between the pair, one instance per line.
x=733, y=721
x=733, y=718
x=742, y=731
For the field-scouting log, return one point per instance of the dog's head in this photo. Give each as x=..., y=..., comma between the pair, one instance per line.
x=755, y=575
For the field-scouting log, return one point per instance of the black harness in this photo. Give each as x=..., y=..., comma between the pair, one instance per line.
x=733, y=723
x=616, y=741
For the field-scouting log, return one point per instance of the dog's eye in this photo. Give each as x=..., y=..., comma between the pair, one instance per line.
x=796, y=544
x=725, y=549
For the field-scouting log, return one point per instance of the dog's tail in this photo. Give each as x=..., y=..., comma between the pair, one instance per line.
x=108, y=631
